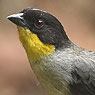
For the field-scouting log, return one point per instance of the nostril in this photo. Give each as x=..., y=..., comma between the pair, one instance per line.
x=22, y=22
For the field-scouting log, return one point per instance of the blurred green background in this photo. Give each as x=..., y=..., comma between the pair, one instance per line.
x=16, y=76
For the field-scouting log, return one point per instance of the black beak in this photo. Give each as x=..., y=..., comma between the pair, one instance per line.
x=17, y=19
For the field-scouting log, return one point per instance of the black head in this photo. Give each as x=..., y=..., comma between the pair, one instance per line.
x=47, y=27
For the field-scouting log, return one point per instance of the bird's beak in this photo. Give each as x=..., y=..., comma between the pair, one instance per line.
x=17, y=19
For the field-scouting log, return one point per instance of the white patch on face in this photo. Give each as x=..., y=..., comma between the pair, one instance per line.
x=39, y=10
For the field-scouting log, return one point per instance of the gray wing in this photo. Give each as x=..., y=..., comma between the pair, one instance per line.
x=83, y=77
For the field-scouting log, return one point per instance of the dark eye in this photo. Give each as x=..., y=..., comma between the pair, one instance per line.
x=39, y=23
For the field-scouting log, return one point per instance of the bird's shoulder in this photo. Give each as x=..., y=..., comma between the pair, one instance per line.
x=83, y=71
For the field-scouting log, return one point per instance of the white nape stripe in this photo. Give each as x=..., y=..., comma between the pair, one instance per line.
x=39, y=10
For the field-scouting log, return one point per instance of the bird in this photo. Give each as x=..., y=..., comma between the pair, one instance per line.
x=61, y=67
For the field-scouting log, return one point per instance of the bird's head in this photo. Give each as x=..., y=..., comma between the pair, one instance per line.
x=40, y=32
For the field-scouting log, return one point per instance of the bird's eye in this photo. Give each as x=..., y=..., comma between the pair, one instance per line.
x=39, y=23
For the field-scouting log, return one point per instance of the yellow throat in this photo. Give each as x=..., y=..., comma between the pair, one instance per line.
x=34, y=47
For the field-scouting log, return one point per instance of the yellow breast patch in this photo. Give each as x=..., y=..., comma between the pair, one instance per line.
x=34, y=47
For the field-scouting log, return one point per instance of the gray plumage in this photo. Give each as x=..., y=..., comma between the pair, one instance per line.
x=72, y=71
